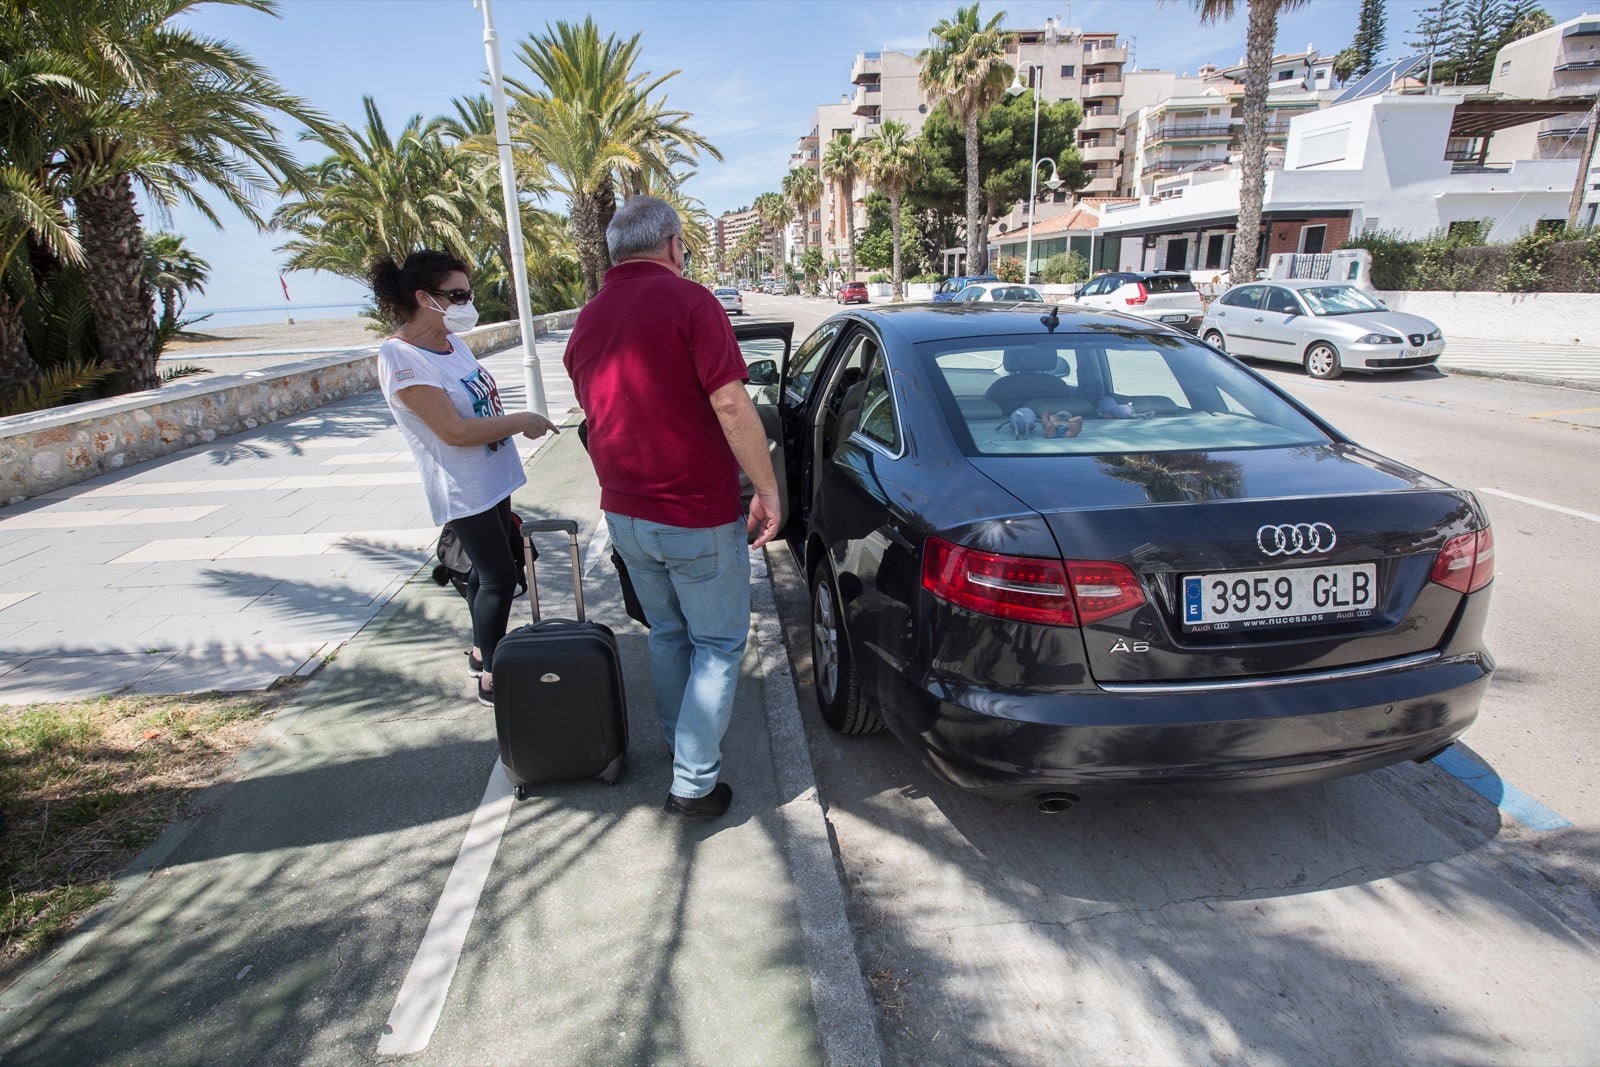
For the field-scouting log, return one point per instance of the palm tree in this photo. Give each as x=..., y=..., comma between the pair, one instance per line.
x=381, y=194
x=775, y=211
x=966, y=65
x=1260, y=35
x=168, y=110
x=892, y=165
x=172, y=270
x=592, y=122
x=843, y=162
x=803, y=187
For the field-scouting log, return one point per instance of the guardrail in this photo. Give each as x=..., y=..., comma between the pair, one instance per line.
x=42, y=451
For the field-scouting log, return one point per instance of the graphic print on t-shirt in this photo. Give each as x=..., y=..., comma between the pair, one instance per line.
x=485, y=401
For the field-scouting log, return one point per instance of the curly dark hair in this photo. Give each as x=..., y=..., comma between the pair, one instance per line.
x=395, y=287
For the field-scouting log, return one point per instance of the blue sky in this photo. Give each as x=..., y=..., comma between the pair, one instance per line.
x=752, y=73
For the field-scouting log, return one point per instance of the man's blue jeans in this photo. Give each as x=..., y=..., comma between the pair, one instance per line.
x=694, y=586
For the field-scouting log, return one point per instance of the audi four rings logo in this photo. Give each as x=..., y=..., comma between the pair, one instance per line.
x=1296, y=538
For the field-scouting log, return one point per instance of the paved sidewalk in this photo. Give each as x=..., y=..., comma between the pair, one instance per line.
x=225, y=566
x=368, y=888
x=1573, y=365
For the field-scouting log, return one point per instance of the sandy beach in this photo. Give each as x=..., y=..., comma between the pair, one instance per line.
x=227, y=349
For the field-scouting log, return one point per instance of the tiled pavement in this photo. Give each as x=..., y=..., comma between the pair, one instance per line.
x=1574, y=364
x=225, y=566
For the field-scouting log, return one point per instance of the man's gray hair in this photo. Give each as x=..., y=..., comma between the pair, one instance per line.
x=640, y=227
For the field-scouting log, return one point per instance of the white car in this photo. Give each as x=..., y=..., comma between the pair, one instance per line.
x=998, y=293
x=1165, y=296
x=1326, y=327
x=732, y=302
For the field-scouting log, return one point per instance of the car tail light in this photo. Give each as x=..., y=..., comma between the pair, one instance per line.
x=1465, y=563
x=1028, y=589
x=1143, y=296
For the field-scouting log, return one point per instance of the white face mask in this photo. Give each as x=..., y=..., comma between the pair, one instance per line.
x=458, y=318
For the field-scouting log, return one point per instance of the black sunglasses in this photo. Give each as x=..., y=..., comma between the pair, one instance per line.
x=455, y=296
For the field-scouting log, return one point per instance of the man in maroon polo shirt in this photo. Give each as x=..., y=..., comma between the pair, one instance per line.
x=662, y=384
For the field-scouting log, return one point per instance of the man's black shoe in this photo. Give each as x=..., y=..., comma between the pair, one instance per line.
x=711, y=806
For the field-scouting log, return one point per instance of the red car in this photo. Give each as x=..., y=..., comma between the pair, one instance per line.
x=853, y=293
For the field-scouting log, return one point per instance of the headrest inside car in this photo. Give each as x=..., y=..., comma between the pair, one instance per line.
x=1029, y=361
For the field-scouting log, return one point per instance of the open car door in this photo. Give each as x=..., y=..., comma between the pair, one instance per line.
x=766, y=347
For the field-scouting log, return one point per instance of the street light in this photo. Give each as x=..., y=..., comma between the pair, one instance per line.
x=533, y=382
x=1054, y=181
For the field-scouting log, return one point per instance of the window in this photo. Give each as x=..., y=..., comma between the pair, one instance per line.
x=1281, y=302
x=1285, y=75
x=807, y=361
x=1246, y=296
x=971, y=293
x=1110, y=394
x=877, y=420
x=1069, y=70
x=1311, y=239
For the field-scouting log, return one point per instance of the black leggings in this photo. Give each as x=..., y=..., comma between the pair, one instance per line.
x=486, y=539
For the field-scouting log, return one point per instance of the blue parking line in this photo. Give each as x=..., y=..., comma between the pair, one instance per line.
x=1507, y=797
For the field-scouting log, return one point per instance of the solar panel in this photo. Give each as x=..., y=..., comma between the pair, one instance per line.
x=1381, y=77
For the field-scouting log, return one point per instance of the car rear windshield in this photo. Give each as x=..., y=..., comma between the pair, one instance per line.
x=1339, y=300
x=1168, y=283
x=1105, y=392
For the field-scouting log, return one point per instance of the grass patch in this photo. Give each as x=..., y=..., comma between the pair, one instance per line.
x=85, y=785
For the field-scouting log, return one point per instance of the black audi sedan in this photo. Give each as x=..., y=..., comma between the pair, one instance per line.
x=1077, y=552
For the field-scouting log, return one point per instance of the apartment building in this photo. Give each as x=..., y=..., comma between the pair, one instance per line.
x=728, y=228
x=1307, y=72
x=1563, y=61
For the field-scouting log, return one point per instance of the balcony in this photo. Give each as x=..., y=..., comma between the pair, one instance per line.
x=867, y=67
x=1190, y=131
x=1158, y=167
x=868, y=100
x=1104, y=117
x=1093, y=153
x=1109, y=78
x=1096, y=56
x=1105, y=185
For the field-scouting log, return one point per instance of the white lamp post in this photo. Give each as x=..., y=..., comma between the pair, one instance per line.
x=533, y=382
x=1054, y=182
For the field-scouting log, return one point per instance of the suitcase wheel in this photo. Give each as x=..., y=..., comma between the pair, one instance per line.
x=520, y=792
x=613, y=771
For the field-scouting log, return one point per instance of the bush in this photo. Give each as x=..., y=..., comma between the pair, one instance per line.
x=1393, y=257
x=1064, y=268
x=878, y=279
x=1008, y=269
x=930, y=278
x=1553, y=259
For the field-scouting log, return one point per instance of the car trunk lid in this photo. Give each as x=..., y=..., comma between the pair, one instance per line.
x=1357, y=556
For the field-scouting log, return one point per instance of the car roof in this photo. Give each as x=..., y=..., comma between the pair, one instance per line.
x=933, y=322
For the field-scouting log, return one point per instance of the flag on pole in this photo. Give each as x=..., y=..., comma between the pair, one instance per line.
x=284, y=282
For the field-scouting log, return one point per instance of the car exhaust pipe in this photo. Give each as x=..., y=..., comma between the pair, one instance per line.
x=1055, y=803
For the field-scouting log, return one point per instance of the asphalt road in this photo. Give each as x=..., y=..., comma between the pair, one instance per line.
x=1392, y=916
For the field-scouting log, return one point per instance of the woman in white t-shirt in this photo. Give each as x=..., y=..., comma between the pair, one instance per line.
x=448, y=409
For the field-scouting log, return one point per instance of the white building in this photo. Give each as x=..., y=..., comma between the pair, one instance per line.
x=1375, y=163
x=1563, y=61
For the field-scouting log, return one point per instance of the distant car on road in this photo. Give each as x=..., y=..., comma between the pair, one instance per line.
x=949, y=290
x=1061, y=554
x=853, y=293
x=1328, y=328
x=732, y=302
x=997, y=293
x=1168, y=297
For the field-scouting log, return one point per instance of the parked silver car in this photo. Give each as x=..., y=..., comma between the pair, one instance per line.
x=1326, y=327
x=1165, y=296
x=732, y=302
x=998, y=292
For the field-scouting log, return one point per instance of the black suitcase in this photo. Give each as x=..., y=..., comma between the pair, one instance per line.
x=559, y=706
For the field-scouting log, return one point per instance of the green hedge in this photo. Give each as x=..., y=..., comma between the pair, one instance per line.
x=1550, y=261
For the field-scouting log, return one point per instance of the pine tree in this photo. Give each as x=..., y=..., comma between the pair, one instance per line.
x=1436, y=26
x=1368, y=43
x=1470, y=52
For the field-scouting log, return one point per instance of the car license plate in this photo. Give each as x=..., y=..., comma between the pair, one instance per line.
x=1412, y=353
x=1174, y=318
x=1251, y=599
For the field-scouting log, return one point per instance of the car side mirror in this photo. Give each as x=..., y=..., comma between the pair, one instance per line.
x=763, y=372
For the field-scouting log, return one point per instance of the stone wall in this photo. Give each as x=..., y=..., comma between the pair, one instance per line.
x=51, y=449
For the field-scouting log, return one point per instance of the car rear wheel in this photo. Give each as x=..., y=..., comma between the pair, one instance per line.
x=1215, y=339
x=838, y=689
x=1322, y=361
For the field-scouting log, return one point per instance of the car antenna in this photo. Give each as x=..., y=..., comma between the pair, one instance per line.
x=1052, y=320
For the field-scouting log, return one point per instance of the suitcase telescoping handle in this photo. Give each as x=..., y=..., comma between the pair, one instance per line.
x=570, y=528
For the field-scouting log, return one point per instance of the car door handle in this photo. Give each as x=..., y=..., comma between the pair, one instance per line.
x=1259, y=319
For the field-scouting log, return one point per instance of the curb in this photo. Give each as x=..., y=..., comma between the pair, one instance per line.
x=1520, y=376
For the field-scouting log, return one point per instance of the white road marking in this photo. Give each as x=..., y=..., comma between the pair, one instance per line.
x=596, y=548
x=1574, y=512
x=422, y=994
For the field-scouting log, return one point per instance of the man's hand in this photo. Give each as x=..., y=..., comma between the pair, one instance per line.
x=763, y=520
x=536, y=425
